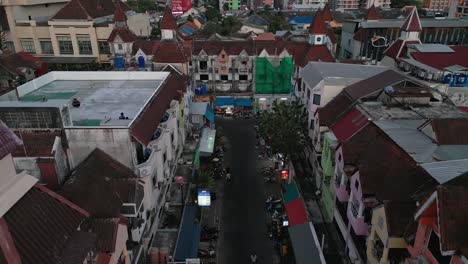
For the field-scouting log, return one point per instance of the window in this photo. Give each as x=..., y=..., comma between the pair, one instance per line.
x=203, y=65
x=312, y=124
x=243, y=77
x=84, y=44
x=65, y=44
x=104, y=47
x=356, y=184
x=308, y=94
x=119, y=46
x=28, y=45
x=339, y=157
x=9, y=46
x=204, y=77
x=316, y=100
x=224, y=77
x=46, y=47
x=164, y=158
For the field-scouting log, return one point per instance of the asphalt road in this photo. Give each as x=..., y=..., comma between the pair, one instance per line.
x=243, y=217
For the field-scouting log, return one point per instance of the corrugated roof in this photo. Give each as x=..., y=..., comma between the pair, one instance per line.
x=398, y=216
x=44, y=228
x=444, y=171
x=374, y=84
x=8, y=141
x=334, y=109
x=442, y=60
x=425, y=23
x=450, y=131
x=172, y=52
x=409, y=138
x=101, y=185
x=432, y=47
x=349, y=125
x=88, y=9
x=305, y=245
x=36, y=143
x=105, y=230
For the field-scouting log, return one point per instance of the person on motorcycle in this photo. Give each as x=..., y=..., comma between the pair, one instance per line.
x=253, y=258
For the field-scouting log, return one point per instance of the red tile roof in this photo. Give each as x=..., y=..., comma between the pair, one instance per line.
x=44, y=227
x=125, y=34
x=8, y=140
x=171, y=52
x=412, y=22
x=450, y=131
x=318, y=25
x=13, y=62
x=101, y=184
x=441, y=60
x=36, y=143
x=148, y=47
x=349, y=125
x=268, y=36
x=372, y=13
x=358, y=143
x=106, y=231
x=168, y=20
x=296, y=212
x=387, y=172
x=334, y=109
x=88, y=9
x=327, y=17
x=119, y=14
x=148, y=121
x=214, y=47
x=453, y=212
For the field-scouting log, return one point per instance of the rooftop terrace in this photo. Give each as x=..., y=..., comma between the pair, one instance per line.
x=102, y=95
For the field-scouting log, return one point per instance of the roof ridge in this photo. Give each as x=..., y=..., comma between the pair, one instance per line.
x=84, y=9
x=62, y=200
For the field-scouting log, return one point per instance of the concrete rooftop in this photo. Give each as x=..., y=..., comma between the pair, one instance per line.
x=103, y=95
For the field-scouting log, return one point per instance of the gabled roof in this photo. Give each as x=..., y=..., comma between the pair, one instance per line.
x=171, y=52
x=398, y=216
x=398, y=49
x=36, y=143
x=125, y=34
x=327, y=17
x=8, y=141
x=44, y=228
x=335, y=108
x=268, y=36
x=119, y=14
x=214, y=47
x=359, y=35
x=357, y=144
x=372, y=13
x=373, y=84
x=148, y=121
x=168, y=20
x=450, y=131
x=453, y=212
x=148, y=47
x=331, y=35
x=89, y=9
x=101, y=185
x=412, y=22
x=318, y=25
x=349, y=125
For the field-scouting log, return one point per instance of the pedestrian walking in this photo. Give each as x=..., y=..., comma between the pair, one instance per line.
x=253, y=258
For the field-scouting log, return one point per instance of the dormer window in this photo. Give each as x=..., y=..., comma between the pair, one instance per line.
x=244, y=62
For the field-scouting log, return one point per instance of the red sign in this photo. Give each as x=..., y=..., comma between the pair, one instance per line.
x=284, y=174
x=180, y=6
x=179, y=180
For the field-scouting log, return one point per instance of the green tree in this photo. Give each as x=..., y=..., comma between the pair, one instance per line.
x=285, y=129
x=204, y=180
x=212, y=14
x=229, y=25
x=210, y=28
x=190, y=18
x=141, y=6
x=403, y=3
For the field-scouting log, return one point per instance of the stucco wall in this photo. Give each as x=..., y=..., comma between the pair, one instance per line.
x=114, y=141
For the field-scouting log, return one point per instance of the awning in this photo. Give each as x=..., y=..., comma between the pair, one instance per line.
x=207, y=141
x=291, y=193
x=296, y=212
x=189, y=235
x=220, y=101
x=246, y=102
x=224, y=101
x=305, y=244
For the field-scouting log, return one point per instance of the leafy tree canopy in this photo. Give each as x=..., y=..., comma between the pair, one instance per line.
x=276, y=19
x=285, y=129
x=141, y=6
x=403, y=3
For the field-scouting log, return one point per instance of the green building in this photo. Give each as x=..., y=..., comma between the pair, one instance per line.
x=272, y=79
x=235, y=4
x=328, y=168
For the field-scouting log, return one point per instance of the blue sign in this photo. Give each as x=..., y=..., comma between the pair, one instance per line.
x=204, y=198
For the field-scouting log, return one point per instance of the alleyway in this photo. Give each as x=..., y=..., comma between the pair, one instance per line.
x=243, y=228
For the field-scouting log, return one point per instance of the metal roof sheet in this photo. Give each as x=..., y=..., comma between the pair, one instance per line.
x=305, y=243
x=432, y=48
x=397, y=23
x=444, y=171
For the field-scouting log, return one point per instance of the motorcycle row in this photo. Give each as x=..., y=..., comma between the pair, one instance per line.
x=277, y=228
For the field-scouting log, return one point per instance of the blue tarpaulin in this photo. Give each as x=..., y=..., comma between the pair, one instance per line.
x=189, y=235
x=209, y=114
x=221, y=101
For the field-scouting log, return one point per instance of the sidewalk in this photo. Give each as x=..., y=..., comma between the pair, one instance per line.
x=333, y=248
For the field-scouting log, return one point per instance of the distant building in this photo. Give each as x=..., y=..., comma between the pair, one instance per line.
x=368, y=39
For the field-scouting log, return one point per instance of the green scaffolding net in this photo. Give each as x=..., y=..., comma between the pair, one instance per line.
x=273, y=80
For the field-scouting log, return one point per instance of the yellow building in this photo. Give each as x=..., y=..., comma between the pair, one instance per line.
x=386, y=242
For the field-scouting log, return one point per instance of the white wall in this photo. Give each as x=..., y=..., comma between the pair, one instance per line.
x=116, y=142
x=36, y=11
x=139, y=24
x=28, y=165
x=61, y=162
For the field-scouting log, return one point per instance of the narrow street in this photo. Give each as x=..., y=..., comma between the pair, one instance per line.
x=243, y=218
